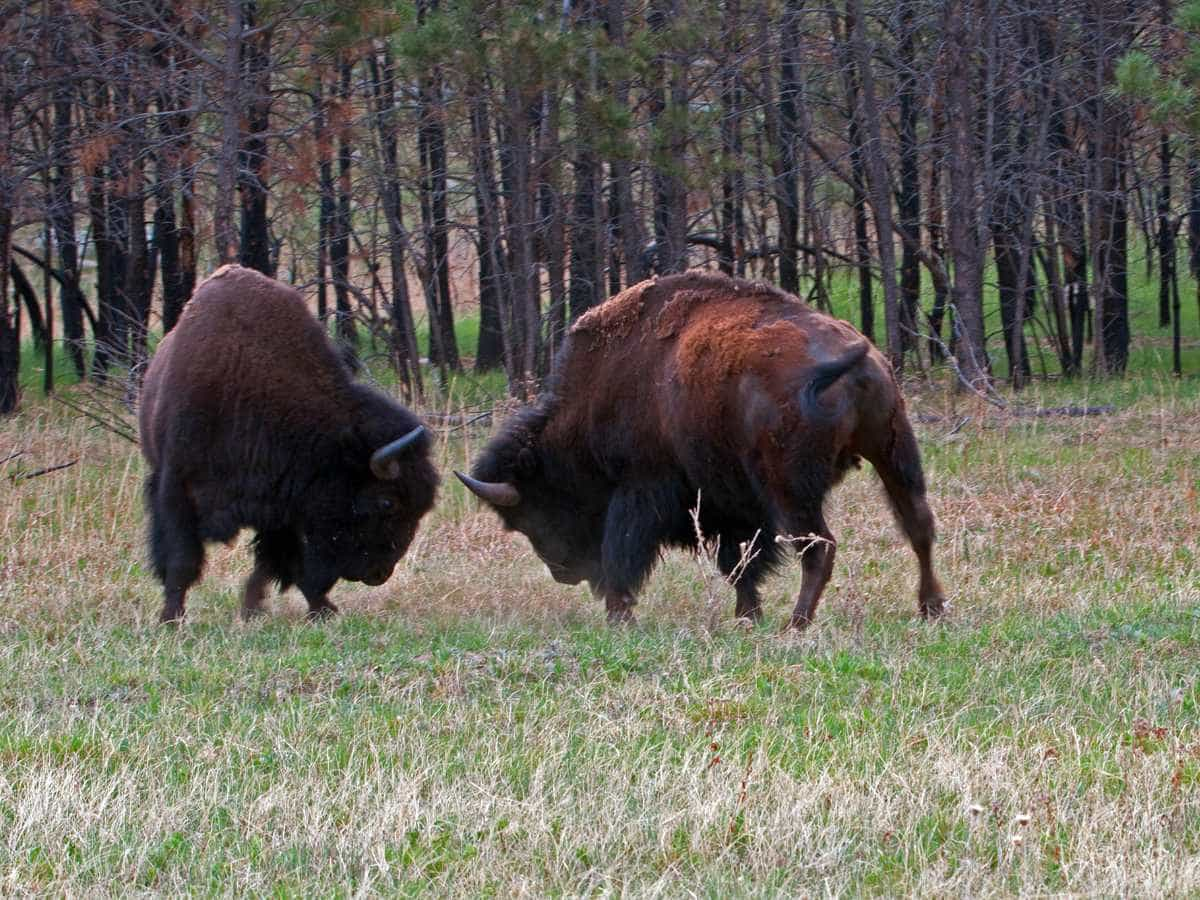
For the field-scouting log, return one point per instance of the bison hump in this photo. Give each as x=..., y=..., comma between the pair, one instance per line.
x=616, y=317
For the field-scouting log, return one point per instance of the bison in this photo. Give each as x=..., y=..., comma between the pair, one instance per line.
x=250, y=419
x=692, y=386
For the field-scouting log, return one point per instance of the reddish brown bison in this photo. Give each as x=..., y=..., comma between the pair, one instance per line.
x=249, y=419
x=699, y=384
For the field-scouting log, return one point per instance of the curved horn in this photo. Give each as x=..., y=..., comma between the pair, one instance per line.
x=384, y=463
x=497, y=493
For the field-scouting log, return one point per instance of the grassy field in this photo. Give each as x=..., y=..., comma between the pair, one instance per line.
x=472, y=728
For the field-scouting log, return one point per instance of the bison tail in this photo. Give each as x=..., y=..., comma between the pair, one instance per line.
x=825, y=374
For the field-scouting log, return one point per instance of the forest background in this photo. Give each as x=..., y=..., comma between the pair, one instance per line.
x=458, y=181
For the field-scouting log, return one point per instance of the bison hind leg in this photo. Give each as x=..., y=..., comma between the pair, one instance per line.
x=176, y=550
x=815, y=544
x=900, y=470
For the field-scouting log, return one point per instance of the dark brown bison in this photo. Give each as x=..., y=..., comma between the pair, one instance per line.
x=699, y=385
x=249, y=419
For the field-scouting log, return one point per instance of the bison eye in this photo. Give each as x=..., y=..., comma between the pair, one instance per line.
x=385, y=505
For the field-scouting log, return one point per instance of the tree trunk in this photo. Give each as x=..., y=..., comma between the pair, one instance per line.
x=10, y=337
x=966, y=252
x=668, y=123
x=937, y=231
x=431, y=139
x=341, y=224
x=491, y=352
x=62, y=207
x=252, y=188
x=878, y=189
x=550, y=235
x=733, y=225
x=787, y=192
x=1109, y=219
x=521, y=324
x=587, y=283
x=227, y=159
x=403, y=335
x=327, y=208
x=909, y=199
x=1166, y=232
x=633, y=240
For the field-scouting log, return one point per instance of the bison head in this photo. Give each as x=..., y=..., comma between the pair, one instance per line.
x=369, y=517
x=551, y=508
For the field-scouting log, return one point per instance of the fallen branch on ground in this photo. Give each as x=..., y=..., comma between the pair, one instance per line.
x=25, y=476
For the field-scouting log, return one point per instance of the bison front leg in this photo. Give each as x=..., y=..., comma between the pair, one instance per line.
x=633, y=530
x=255, y=592
x=619, y=608
x=315, y=582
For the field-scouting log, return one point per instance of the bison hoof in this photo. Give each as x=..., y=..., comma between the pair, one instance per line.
x=798, y=623
x=621, y=618
x=249, y=613
x=321, y=611
x=933, y=608
x=171, y=617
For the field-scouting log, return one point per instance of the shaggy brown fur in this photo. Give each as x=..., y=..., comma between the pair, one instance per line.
x=248, y=418
x=699, y=383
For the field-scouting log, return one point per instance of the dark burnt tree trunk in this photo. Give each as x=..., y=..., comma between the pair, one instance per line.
x=10, y=338
x=109, y=236
x=909, y=189
x=878, y=188
x=431, y=140
x=1109, y=217
x=858, y=178
x=327, y=207
x=1008, y=216
x=48, y=289
x=255, y=250
x=402, y=334
x=1072, y=236
x=937, y=231
x=587, y=283
x=1166, y=232
x=668, y=123
x=138, y=280
x=341, y=224
x=166, y=229
x=224, y=234
x=172, y=238
x=1193, y=217
x=62, y=204
x=964, y=248
x=10, y=335
x=550, y=235
x=787, y=191
x=733, y=223
x=632, y=235
x=521, y=321
x=1193, y=210
x=490, y=353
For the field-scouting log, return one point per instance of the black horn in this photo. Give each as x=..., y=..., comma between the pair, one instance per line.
x=497, y=493
x=384, y=461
